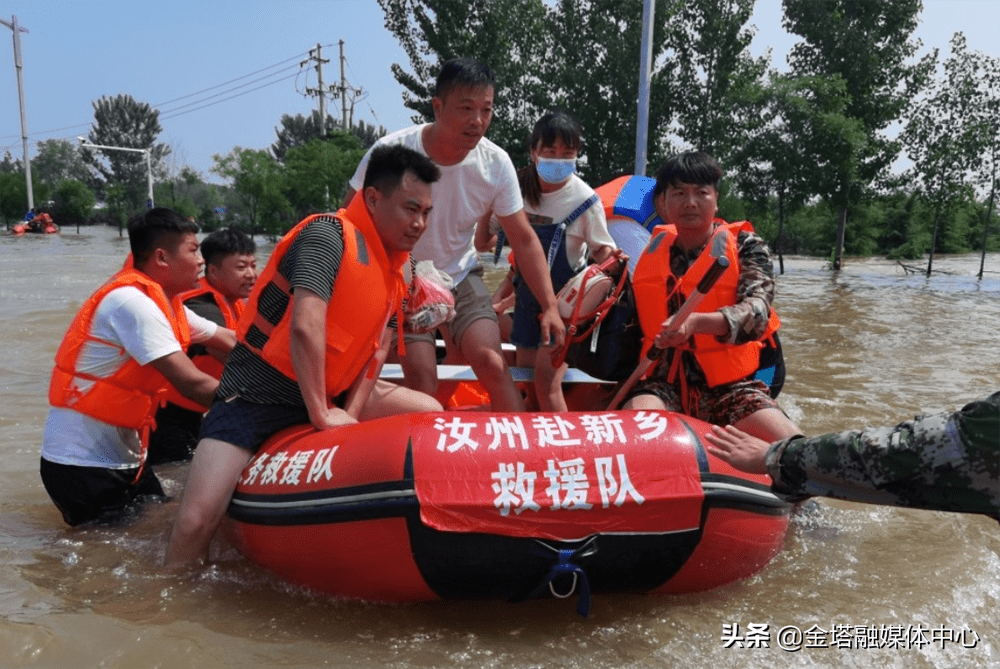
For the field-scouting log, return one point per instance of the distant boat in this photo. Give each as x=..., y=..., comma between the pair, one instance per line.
x=40, y=224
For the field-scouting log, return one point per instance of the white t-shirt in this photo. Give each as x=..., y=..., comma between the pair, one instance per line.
x=128, y=319
x=484, y=180
x=590, y=229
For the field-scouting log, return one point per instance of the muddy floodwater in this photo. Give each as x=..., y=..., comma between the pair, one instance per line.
x=855, y=586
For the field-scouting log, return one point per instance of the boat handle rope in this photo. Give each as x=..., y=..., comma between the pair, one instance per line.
x=564, y=565
x=569, y=593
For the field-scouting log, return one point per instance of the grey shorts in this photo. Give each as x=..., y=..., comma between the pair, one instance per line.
x=473, y=301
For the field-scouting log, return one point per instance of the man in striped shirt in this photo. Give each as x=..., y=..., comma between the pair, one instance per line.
x=312, y=324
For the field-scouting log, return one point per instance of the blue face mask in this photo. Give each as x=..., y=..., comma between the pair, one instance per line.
x=555, y=170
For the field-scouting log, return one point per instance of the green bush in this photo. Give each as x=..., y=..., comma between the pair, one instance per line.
x=74, y=202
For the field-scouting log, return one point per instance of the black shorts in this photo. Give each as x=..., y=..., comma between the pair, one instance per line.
x=248, y=425
x=85, y=494
x=175, y=436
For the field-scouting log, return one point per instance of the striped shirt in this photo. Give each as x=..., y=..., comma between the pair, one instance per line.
x=312, y=262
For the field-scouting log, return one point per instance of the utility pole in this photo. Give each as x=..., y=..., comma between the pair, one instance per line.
x=12, y=24
x=321, y=90
x=343, y=89
x=645, y=67
x=317, y=55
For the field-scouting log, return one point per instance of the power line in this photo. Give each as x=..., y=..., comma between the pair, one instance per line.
x=211, y=104
x=306, y=70
x=364, y=97
x=171, y=113
x=48, y=132
x=226, y=83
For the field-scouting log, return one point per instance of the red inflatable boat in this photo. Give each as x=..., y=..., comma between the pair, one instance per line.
x=476, y=505
x=42, y=224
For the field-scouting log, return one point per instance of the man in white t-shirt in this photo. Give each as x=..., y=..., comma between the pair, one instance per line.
x=124, y=347
x=477, y=178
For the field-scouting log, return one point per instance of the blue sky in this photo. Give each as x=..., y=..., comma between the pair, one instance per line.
x=174, y=55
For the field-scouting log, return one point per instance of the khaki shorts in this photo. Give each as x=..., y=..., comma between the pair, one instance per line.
x=473, y=302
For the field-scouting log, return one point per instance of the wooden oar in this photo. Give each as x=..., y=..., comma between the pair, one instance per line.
x=712, y=274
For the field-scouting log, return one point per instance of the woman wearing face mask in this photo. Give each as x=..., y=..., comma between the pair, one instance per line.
x=565, y=213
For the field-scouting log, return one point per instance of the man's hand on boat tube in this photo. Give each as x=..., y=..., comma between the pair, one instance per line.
x=331, y=418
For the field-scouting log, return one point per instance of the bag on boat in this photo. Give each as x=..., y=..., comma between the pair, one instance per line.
x=603, y=337
x=582, y=296
x=430, y=303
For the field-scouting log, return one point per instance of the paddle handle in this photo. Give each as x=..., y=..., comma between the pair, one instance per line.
x=712, y=275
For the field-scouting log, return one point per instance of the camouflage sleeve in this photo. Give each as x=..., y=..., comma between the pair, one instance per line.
x=948, y=461
x=754, y=292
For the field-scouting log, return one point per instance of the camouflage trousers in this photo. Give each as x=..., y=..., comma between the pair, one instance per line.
x=947, y=461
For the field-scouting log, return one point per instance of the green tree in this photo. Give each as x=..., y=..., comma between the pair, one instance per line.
x=175, y=192
x=123, y=122
x=58, y=160
x=299, y=130
x=508, y=36
x=578, y=55
x=317, y=173
x=74, y=202
x=210, y=201
x=10, y=164
x=944, y=139
x=367, y=134
x=801, y=145
x=12, y=202
x=904, y=236
x=986, y=119
x=119, y=208
x=14, y=195
x=593, y=73
x=809, y=226
x=259, y=182
x=715, y=76
x=867, y=44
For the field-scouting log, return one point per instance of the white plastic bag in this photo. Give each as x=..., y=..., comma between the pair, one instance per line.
x=430, y=303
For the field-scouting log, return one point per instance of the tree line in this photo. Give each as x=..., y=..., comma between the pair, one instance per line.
x=267, y=190
x=809, y=153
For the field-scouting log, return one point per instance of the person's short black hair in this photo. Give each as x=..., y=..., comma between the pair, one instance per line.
x=156, y=228
x=225, y=242
x=463, y=73
x=691, y=167
x=556, y=125
x=388, y=163
x=550, y=127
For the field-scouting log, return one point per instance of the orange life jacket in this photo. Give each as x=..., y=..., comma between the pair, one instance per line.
x=722, y=363
x=130, y=396
x=369, y=288
x=206, y=363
